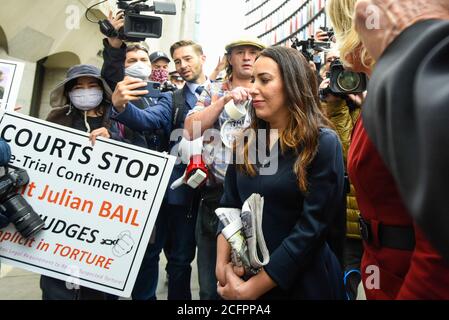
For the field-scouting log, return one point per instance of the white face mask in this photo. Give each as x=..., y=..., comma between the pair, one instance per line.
x=139, y=70
x=86, y=99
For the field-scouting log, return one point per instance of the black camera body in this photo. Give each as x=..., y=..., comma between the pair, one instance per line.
x=138, y=27
x=343, y=81
x=308, y=47
x=15, y=207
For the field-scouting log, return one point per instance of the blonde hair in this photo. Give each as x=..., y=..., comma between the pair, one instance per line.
x=341, y=13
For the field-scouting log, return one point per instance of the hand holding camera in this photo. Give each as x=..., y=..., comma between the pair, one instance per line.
x=130, y=25
x=117, y=23
x=325, y=34
x=325, y=93
x=343, y=82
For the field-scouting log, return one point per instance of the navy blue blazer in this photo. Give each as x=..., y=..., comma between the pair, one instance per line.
x=295, y=225
x=183, y=195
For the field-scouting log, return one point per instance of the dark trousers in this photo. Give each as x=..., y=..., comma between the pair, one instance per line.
x=206, y=238
x=175, y=224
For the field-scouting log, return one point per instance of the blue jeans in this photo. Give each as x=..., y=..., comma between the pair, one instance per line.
x=177, y=225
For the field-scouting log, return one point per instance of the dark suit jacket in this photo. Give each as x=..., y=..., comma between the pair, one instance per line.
x=406, y=115
x=184, y=194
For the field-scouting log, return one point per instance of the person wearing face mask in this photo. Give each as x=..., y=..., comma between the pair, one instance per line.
x=127, y=68
x=159, y=64
x=82, y=102
x=145, y=121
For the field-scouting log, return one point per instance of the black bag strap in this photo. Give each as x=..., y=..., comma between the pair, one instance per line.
x=179, y=108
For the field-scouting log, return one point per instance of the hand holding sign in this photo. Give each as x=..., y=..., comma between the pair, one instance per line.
x=124, y=244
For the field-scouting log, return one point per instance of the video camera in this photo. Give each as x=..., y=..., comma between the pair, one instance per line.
x=309, y=47
x=137, y=26
x=15, y=207
x=343, y=82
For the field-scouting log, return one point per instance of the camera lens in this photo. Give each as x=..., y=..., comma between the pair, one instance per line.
x=22, y=215
x=348, y=81
x=140, y=27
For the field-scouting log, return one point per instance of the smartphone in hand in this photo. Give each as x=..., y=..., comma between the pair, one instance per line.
x=154, y=89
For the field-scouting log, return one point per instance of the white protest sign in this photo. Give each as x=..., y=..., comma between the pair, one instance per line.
x=99, y=204
x=10, y=78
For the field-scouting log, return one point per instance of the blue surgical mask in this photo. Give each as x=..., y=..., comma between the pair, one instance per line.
x=86, y=99
x=139, y=70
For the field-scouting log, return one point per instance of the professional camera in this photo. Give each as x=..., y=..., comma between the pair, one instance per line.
x=137, y=26
x=343, y=82
x=309, y=47
x=15, y=207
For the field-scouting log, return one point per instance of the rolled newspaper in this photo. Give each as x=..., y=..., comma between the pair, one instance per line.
x=230, y=217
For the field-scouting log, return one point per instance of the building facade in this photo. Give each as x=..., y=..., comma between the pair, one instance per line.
x=50, y=36
x=275, y=22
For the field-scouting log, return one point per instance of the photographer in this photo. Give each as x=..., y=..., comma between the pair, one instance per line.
x=344, y=115
x=126, y=69
x=5, y=155
x=146, y=122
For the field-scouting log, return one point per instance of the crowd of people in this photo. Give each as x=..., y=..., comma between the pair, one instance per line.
x=360, y=179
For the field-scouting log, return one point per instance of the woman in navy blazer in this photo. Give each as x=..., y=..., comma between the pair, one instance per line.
x=301, y=199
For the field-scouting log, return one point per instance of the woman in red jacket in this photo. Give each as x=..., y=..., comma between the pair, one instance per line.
x=399, y=262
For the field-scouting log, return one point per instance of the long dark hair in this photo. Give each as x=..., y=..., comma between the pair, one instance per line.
x=305, y=118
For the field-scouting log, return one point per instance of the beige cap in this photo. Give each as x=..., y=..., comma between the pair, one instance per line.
x=245, y=41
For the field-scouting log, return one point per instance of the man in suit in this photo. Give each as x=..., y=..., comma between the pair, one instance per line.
x=177, y=216
x=406, y=111
x=181, y=205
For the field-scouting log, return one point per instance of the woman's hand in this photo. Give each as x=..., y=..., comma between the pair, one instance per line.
x=223, y=258
x=101, y=132
x=234, y=288
x=329, y=97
